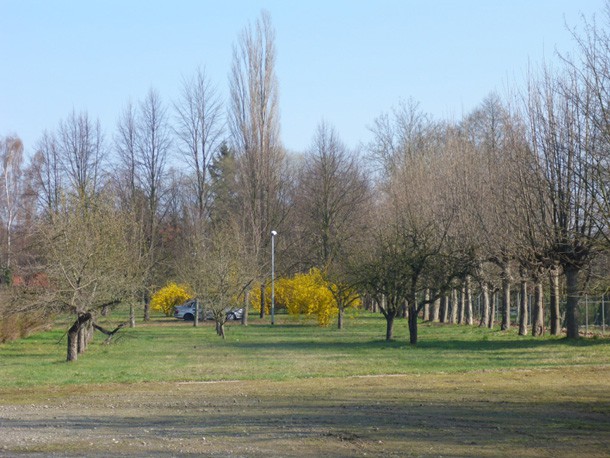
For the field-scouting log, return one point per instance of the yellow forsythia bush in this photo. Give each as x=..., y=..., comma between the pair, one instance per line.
x=302, y=294
x=169, y=296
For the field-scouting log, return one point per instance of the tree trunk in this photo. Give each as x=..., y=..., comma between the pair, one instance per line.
x=132, y=315
x=436, y=310
x=389, y=328
x=262, y=314
x=538, y=315
x=413, y=322
x=220, y=329
x=72, y=343
x=462, y=305
x=196, y=317
x=444, y=308
x=506, y=278
x=146, y=308
x=340, y=318
x=73, y=335
x=426, y=305
x=454, y=306
x=244, y=316
x=468, y=298
x=554, y=301
x=85, y=335
x=523, y=309
x=492, y=309
x=572, y=312
x=485, y=306
x=81, y=340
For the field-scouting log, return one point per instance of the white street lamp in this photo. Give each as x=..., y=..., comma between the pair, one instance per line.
x=273, y=234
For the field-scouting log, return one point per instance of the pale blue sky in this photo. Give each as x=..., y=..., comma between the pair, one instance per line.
x=342, y=61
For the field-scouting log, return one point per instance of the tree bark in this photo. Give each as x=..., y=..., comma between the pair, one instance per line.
x=340, y=318
x=492, y=309
x=413, y=322
x=506, y=278
x=444, y=308
x=538, y=313
x=485, y=306
x=81, y=340
x=244, y=316
x=389, y=328
x=523, y=308
x=262, y=314
x=85, y=335
x=196, y=317
x=426, y=305
x=454, y=306
x=220, y=329
x=72, y=344
x=462, y=305
x=73, y=335
x=132, y=315
x=468, y=299
x=572, y=312
x=146, y=308
x=436, y=310
x=110, y=334
x=554, y=301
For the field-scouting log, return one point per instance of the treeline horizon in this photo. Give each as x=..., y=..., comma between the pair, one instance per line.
x=513, y=196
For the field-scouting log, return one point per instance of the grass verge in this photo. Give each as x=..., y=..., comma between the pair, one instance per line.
x=167, y=350
x=294, y=389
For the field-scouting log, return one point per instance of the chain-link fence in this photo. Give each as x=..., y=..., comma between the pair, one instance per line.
x=594, y=312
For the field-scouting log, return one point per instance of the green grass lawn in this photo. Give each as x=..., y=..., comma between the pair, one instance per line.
x=167, y=350
x=295, y=389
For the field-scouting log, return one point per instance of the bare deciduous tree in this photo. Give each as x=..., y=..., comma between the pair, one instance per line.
x=199, y=130
x=591, y=65
x=81, y=151
x=417, y=245
x=332, y=203
x=89, y=263
x=152, y=148
x=127, y=167
x=254, y=126
x=562, y=145
x=11, y=163
x=47, y=177
x=489, y=190
x=219, y=271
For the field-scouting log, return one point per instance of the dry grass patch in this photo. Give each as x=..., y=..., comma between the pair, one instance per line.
x=530, y=413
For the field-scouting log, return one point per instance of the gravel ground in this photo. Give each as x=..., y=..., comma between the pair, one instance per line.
x=527, y=413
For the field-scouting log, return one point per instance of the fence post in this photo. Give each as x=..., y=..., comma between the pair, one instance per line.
x=603, y=315
x=586, y=315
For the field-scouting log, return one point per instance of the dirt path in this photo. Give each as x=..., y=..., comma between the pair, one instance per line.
x=521, y=413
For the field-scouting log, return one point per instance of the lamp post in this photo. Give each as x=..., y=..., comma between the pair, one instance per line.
x=273, y=234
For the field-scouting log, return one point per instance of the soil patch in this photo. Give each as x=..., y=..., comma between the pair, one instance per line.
x=558, y=412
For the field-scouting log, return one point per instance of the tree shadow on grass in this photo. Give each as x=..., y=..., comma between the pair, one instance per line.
x=482, y=345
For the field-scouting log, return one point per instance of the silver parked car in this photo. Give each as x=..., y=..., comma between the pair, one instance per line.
x=186, y=312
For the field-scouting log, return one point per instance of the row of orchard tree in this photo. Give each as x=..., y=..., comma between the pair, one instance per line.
x=516, y=192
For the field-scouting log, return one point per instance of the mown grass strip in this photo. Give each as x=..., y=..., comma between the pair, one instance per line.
x=167, y=350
